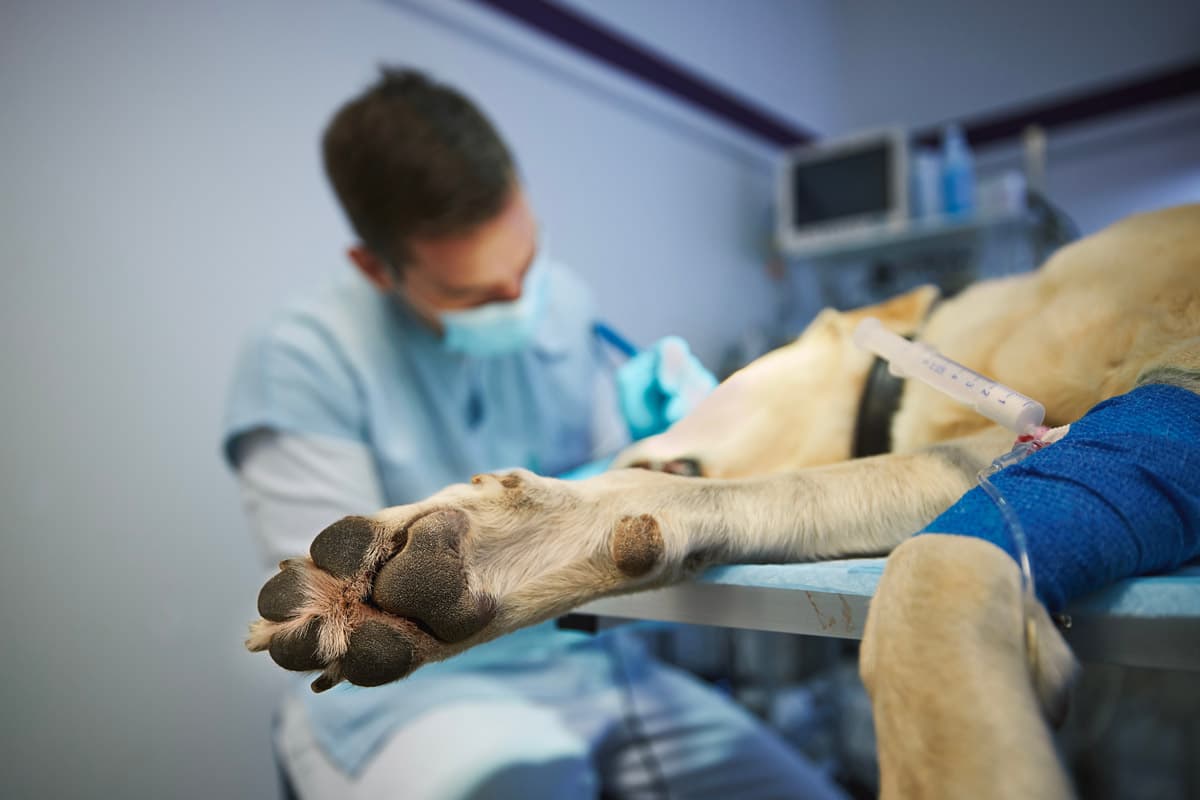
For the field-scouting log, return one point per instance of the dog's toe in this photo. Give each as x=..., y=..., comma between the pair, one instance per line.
x=298, y=651
x=379, y=653
x=341, y=549
x=281, y=597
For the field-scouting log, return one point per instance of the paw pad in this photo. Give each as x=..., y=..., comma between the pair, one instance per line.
x=378, y=654
x=281, y=597
x=298, y=651
x=441, y=600
x=637, y=545
x=342, y=548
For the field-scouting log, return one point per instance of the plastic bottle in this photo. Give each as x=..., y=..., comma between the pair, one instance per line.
x=958, y=173
x=926, y=179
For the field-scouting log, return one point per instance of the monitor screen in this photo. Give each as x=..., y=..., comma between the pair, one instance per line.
x=842, y=186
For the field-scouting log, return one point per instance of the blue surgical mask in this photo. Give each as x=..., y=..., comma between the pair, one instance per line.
x=503, y=327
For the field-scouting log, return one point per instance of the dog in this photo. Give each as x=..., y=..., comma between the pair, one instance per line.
x=953, y=682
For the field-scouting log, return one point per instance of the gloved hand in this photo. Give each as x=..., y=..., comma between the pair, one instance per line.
x=659, y=386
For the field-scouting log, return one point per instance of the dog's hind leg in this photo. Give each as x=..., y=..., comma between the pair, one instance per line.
x=959, y=710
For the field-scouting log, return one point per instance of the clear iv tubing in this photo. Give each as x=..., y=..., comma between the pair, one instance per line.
x=997, y=402
x=1017, y=533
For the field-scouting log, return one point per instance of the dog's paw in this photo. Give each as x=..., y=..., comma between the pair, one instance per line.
x=379, y=596
x=373, y=600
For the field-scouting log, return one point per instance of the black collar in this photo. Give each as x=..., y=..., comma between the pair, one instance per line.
x=876, y=408
x=880, y=401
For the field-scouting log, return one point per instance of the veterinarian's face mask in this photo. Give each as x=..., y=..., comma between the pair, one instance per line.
x=500, y=327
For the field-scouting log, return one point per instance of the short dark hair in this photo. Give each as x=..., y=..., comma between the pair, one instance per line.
x=410, y=157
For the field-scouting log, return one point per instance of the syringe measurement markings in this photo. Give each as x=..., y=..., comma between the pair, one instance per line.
x=981, y=386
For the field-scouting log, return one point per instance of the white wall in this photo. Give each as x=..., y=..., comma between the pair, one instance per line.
x=1102, y=172
x=161, y=191
x=840, y=67
x=925, y=62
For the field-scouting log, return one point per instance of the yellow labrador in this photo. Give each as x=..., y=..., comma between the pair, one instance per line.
x=381, y=595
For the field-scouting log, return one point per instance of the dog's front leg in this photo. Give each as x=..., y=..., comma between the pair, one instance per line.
x=379, y=596
x=959, y=710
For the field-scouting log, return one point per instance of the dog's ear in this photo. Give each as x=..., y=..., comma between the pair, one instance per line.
x=903, y=314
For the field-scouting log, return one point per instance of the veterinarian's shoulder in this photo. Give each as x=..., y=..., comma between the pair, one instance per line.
x=347, y=318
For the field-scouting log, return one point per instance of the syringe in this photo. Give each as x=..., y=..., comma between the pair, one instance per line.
x=906, y=359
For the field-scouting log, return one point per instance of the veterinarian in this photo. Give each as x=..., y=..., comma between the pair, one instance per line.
x=458, y=346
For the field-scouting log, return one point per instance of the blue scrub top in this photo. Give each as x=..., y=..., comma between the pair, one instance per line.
x=356, y=364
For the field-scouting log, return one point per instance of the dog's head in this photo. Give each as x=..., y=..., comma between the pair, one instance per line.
x=792, y=408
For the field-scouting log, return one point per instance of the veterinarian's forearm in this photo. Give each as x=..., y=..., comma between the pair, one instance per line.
x=292, y=486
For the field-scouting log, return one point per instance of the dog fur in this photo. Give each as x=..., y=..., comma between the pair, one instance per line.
x=418, y=583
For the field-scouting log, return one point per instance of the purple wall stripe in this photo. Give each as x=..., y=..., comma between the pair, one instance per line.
x=585, y=34
x=1073, y=108
x=603, y=43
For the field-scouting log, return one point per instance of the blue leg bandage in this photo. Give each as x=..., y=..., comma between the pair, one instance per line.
x=1118, y=496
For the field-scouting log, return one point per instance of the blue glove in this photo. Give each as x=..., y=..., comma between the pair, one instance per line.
x=660, y=386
